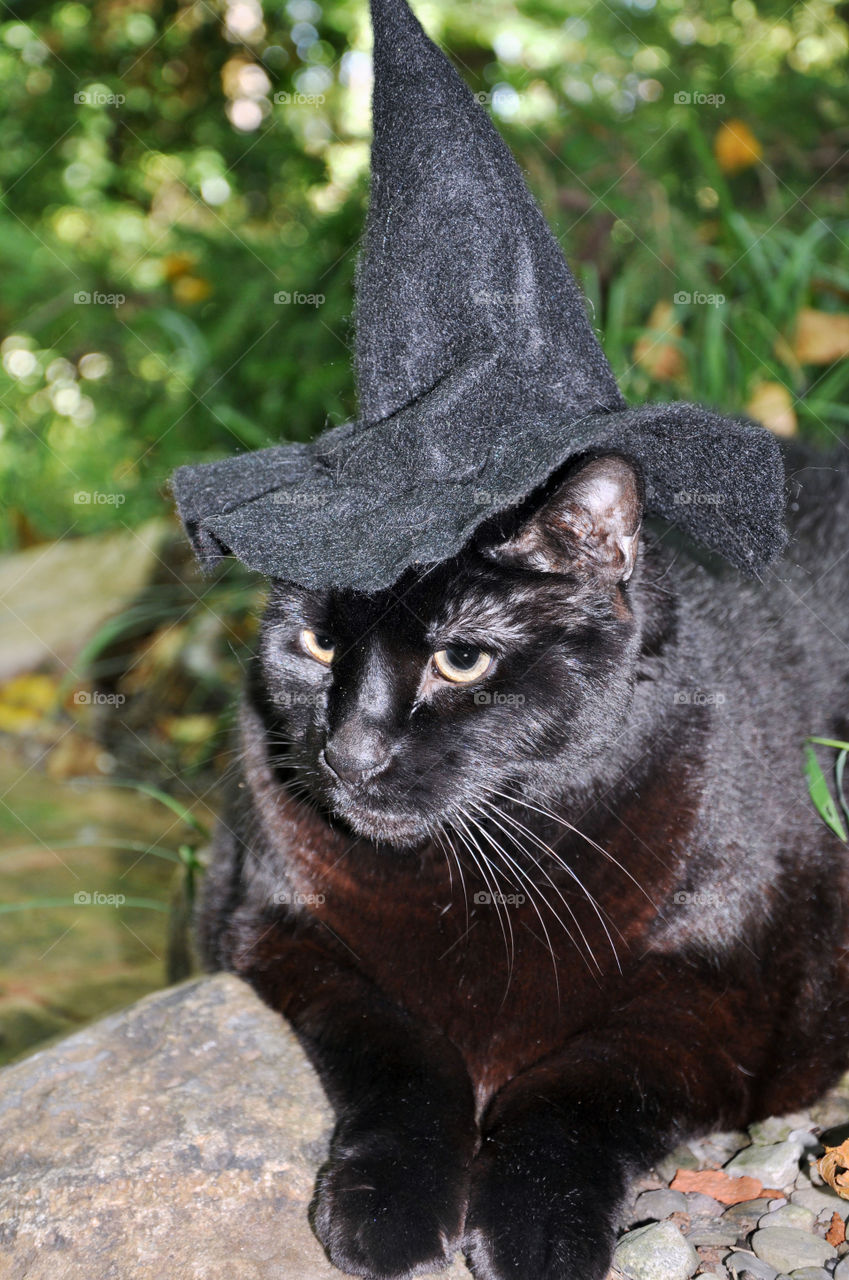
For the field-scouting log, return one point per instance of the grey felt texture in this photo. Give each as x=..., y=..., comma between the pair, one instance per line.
x=478, y=374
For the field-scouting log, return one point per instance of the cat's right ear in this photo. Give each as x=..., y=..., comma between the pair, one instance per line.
x=589, y=527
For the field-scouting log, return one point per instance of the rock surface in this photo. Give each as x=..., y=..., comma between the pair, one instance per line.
x=178, y=1139
x=656, y=1252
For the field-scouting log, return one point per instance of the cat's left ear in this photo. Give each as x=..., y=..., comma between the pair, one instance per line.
x=589, y=527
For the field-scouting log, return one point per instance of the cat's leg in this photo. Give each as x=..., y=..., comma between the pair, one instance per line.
x=392, y=1197
x=561, y=1142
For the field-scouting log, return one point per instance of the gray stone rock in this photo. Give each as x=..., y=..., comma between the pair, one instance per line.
x=699, y=1206
x=789, y=1215
x=820, y=1200
x=740, y=1263
x=717, y=1148
x=715, y=1235
x=177, y=1139
x=681, y=1158
x=656, y=1252
x=831, y=1110
x=746, y=1215
x=841, y=1271
x=811, y=1273
x=656, y=1205
x=775, y=1166
x=765, y=1133
x=789, y=1249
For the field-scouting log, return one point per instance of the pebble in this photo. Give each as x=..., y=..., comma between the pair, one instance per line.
x=775, y=1166
x=820, y=1200
x=716, y=1148
x=789, y=1215
x=811, y=1273
x=745, y=1216
x=656, y=1252
x=765, y=1133
x=831, y=1111
x=739, y=1263
x=681, y=1158
x=701, y=1206
x=789, y=1249
x=655, y=1205
x=842, y=1270
x=713, y=1234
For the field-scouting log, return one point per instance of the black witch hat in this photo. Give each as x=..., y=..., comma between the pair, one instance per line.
x=478, y=373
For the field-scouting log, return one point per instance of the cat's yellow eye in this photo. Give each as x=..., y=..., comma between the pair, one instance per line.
x=462, y=663
x=318, y=645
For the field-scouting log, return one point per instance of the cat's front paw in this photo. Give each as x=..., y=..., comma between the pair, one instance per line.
x=387, y=1207
x=527, y=1217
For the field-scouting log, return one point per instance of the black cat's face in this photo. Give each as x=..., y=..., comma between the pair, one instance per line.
x=419, y=706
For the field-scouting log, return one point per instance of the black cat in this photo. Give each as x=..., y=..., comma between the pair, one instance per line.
x=523, y=850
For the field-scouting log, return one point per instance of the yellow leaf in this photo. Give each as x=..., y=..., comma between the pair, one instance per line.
x=189, y=289
x=772, y=404
x=657, y=351
x=25, y=700
x=736, y=147
x=821, y=336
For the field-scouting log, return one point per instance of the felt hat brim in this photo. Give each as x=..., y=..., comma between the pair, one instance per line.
x=355, y=509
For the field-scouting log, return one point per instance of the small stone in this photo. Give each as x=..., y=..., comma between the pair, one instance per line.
x=655, y=1205
x=765, y=1133
x=681, y=1158
x=701, y=1206
x=842, y=1270
x=831, y=1111
x=789, y=1249
x=717, y=1148
x=821, y=1201
x=789, y=1215
x=745, y=1216
x=775, y=1166
x=811, y=1273
x=713, y=1234
x=740, y=1264
x=656, y=1252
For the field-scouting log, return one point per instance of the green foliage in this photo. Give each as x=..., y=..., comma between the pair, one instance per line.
x=195, y=170
x=818, y=788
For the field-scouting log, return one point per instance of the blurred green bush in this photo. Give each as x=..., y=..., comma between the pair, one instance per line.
x=184, y=187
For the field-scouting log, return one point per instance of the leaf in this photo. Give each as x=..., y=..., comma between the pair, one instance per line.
x=820, y=337
x=720, y=1185
x=836, y=1233
x=772, y=404
x=657, y=351
x=736, y=148
x=834, y=1167
x=821, y=796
